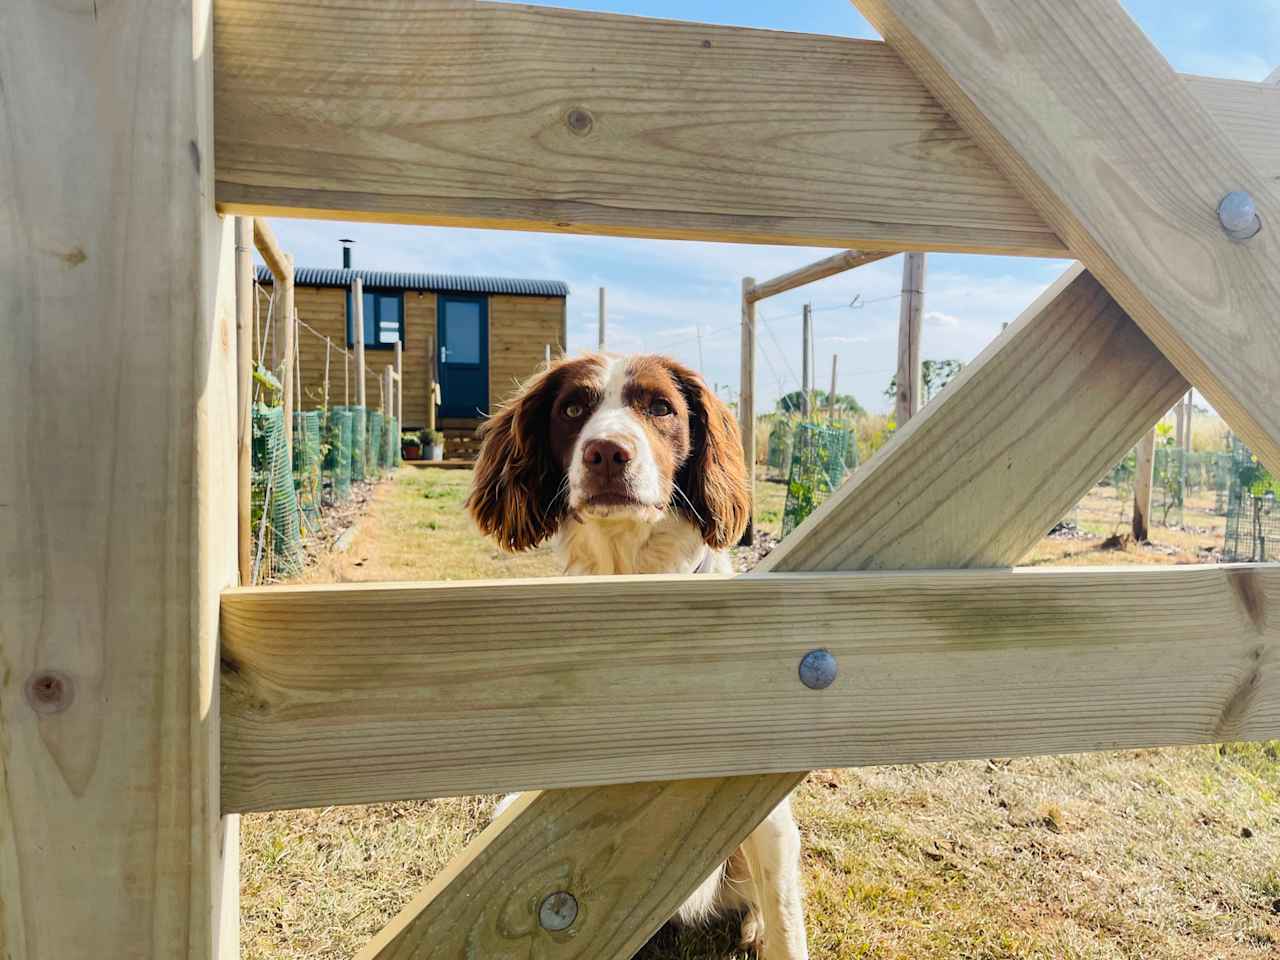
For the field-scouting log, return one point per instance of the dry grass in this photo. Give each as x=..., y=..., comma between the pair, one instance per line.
x=1160, y=855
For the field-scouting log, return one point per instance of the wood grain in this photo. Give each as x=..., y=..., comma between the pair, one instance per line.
x=118, y=286
x=747, y=400
x=519, y=330
x=273, y=255
x=979, y=475
x=371, y=122
x=909, y=382
x=352, y=694
x=1091, y=124
x=827, y=267
x=609, y=848
x=1040, y=345
x=546, y=119
x=1144, y=478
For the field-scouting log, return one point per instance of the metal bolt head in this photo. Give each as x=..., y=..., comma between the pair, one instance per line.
x=1238, y=215
x=558, y=911
x=580, y=121
x=818, y=669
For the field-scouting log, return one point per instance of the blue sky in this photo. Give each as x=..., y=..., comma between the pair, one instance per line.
x=662, y=294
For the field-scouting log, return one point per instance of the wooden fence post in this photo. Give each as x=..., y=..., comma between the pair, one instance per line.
x=357, y=308
x=328, y=348
x=431, y=382
x=910, y=319
x=747, y=402
x=244, y=392
x=600, y=339
x=388, y=406
x=288, y=324
x=399, y=384
x=806, y=370
x=112, y=567
x=831, y=397
x=1144, y=478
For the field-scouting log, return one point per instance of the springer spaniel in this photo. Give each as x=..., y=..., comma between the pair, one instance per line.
x=632, y=465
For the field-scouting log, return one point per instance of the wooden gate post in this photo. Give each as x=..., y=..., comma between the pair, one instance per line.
x=910, y=320
x=747, y=401
x=357, y=323
x=111, y=568
x=1143, y=478
x=244, y=391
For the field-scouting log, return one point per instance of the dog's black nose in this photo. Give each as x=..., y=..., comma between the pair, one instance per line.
x=605, y=458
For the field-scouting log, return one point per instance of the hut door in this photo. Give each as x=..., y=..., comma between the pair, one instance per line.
x=463, y=332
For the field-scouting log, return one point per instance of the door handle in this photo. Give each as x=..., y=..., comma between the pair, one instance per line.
x=444, y=354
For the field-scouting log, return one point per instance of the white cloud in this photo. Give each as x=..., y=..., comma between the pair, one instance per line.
x=937, y=318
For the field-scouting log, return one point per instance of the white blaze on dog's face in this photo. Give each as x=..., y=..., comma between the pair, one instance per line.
x=633, y=436
x=598, y=438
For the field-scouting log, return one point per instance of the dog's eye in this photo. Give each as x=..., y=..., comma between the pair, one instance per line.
x=574, y=410
x=660, y=408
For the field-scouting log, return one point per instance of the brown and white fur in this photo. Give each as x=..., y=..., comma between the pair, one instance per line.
x=632, y=465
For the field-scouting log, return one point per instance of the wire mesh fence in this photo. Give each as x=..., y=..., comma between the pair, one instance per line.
x=358, y=441
x=1253, y=516
x=373, y=452
x=275, y=514
x=779, y=456
x=308, y=463
x=818, y=457
x=288, y=498
x=337, y=457
x=1169, y=487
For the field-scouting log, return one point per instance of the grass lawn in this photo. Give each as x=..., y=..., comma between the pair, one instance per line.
x=1149, y=854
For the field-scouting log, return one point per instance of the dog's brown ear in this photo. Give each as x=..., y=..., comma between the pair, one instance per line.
x=714, y=478
x=514, y=494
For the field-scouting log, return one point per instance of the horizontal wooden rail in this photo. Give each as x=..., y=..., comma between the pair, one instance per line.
x=828, y=267
x=476, y=114
x=356, y=694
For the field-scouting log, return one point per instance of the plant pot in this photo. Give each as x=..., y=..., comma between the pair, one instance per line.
x=437, y=451
x=411, y=453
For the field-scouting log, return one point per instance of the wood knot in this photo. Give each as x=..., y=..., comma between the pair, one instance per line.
x=1248, y=590
x=706, y=44
x=49, y=691
x=580, y=121
x=1235, y=714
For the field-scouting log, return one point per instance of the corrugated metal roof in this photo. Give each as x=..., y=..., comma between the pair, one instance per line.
x=435, y=282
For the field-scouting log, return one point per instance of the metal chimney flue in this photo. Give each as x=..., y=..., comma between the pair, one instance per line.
x=346, y=252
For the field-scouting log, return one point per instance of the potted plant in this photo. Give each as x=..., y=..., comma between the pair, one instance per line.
x=433, y=443
x=411, y=446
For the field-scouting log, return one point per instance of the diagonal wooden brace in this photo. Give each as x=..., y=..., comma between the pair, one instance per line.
x=1091, y=124
x=972, y=481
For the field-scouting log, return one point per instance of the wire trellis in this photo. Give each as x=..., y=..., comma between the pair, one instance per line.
x=818, y=469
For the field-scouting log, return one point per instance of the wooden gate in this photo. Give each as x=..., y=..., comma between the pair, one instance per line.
x=131, y=738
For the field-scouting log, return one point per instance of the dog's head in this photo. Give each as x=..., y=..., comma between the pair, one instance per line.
x=602, y=437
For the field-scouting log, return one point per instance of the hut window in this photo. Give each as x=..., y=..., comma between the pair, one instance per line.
x=383, y=319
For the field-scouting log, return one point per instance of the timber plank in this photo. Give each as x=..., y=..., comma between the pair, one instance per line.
x=1090, y=122
x=979, y=475
x=118, y=285
x=608, y=845
x=456, y=114
x=902, y=535
x=360, y=694
x=360, y=116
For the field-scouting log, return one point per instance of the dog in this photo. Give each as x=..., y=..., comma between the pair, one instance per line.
x=632, y=465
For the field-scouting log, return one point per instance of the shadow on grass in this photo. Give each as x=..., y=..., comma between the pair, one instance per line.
x=716, y=940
